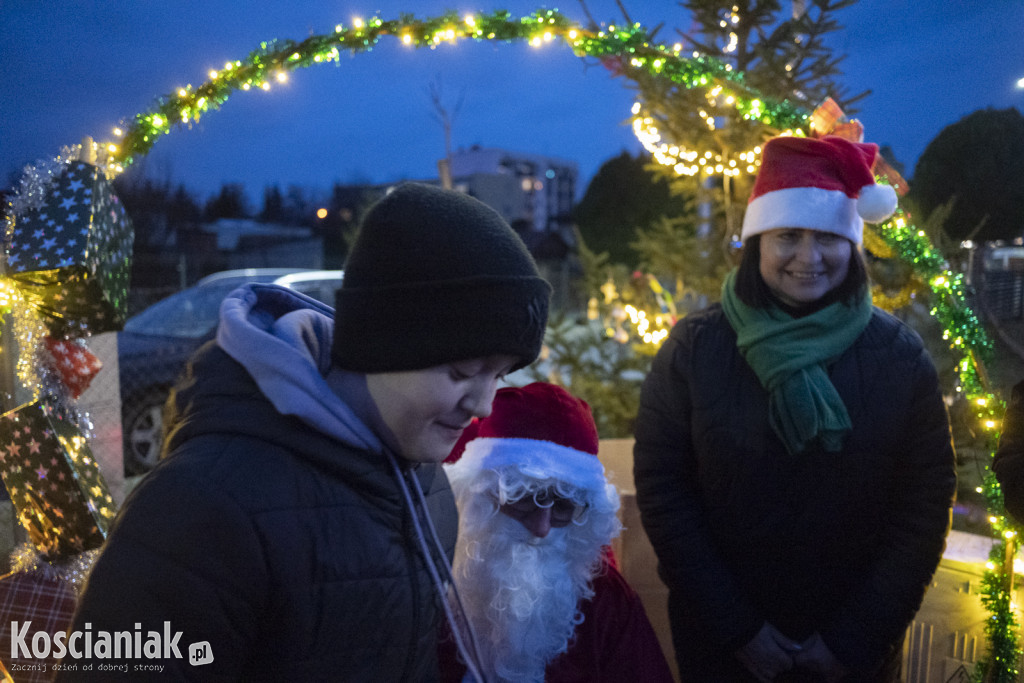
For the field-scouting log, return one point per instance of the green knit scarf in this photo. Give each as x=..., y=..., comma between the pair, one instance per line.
x=789, y=355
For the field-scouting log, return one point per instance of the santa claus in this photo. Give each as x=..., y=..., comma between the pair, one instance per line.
x=541, y=597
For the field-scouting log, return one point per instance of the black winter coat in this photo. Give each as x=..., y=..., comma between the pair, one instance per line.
x=1008, y=461
x=840, y=543
x=287, y=551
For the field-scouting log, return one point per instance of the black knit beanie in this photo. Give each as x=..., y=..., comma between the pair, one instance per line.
x=434, y=277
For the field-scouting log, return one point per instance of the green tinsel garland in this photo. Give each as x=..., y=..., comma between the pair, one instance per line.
x=281, y=57
x=965, y=333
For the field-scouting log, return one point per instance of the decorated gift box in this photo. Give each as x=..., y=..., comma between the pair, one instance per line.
x=71, y=257
x=53, y=480
x=74, y=363
x=32, y=602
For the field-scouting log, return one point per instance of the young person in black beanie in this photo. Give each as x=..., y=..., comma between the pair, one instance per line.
x=300, y=525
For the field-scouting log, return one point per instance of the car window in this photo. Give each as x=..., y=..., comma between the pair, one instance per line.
x=193, y=313
x=189, y=314
x=320, y=285
x=321, y=290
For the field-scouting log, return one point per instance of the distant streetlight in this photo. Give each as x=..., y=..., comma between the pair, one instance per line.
x=969, y=245
x=321, y=213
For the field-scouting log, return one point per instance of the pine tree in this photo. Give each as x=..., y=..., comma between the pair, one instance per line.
x=678, y=259
x=273, y=205
x=782, y=56
x=230, y=203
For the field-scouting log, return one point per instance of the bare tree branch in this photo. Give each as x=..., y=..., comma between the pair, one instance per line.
x=442, y=114
x=625, y=14
x=590, y=17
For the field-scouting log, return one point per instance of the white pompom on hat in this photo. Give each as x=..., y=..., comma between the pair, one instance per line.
x=821, y=184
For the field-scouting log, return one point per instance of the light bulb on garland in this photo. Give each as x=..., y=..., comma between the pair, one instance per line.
x=27, y=325
x=968, y=337
x=962, y=327
x=684, y=161
x=27, y=294
x=631, y=323
x=274, y=59
x=721, y=99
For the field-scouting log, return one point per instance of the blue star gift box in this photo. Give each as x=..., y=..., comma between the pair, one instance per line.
x=71, y=257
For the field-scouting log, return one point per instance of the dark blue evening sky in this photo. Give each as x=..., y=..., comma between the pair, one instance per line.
x=75, y=68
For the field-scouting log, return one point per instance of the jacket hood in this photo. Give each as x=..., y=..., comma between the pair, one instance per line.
x=283, y=340
x=256, y=404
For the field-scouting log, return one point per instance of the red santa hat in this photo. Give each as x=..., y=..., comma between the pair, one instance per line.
x=540, y=430
x=821, y=184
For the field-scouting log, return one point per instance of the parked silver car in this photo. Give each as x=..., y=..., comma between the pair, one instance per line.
x=155, y=344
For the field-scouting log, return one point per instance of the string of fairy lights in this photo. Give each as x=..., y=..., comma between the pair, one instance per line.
x=725, y=89
x=690, y=162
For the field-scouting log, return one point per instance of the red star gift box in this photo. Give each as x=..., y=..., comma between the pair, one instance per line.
x=74, y=363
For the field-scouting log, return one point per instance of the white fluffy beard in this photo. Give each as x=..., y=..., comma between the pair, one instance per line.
x=521, y=593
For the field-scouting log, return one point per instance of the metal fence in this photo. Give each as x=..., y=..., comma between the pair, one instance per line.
x=1003, y=291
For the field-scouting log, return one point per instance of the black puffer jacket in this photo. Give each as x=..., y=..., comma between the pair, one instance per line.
x=841, y=543
x=1008, y=461
x=289, y=551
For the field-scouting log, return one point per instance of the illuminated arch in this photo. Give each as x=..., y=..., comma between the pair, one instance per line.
x=630, y=45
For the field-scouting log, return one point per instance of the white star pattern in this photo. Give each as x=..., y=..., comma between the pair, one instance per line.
x=82, y=227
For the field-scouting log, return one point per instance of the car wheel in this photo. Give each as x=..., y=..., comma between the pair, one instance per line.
x=143, y=432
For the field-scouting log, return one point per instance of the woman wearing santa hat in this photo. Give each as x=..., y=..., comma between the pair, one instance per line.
x=793, y=462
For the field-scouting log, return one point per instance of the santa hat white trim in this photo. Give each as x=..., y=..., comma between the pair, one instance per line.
x=812, y=208
x=537, y=459
x=823, y=184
